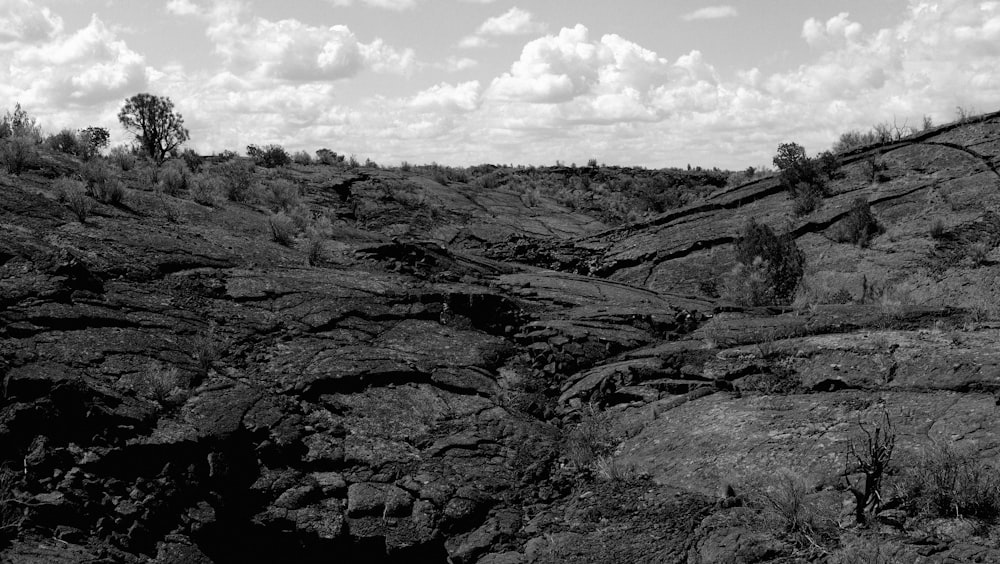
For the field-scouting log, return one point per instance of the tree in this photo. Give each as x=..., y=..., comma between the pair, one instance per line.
x=780, y=259
x=157, y=128
x=94, y=139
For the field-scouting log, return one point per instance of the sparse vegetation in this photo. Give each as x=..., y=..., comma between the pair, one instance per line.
x=869, y=455
x=937, y=230
x=103, y=183
x=74, y=194
x=949, y=482
x=769, y=267
x=175, y=178
x=282, y=229
x=859, y=227
x=268, y=156
x=17, y=154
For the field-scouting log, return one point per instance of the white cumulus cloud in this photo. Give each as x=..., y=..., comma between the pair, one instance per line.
x=711, y=13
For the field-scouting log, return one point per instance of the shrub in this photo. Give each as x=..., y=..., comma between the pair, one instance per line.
x=205, y=189
x=749, y=284
x=238, y=177
x=282, y=195
x=157, y=382
x=17, y=153
x=73, y=193
x=123, y=157
x=269, y=156
x=328, y=157
x=946, y=482
x=302, y=158
x=102, y=183
x=781, y=260
x=282, y=229
x=20, y=124
x=192, y=159
x=65, y=142
x=979, y=251
x=174, y=178
x=873, y=168
x=937, y=230
x=859, y=227
x=806, y=200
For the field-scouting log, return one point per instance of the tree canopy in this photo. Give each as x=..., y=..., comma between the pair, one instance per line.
x=157, y=128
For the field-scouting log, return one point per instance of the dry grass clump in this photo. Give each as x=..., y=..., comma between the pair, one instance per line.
x=156, y=382
x=948, y=482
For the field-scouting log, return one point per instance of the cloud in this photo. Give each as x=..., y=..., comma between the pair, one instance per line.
x=87, y=67
x=711, y=13
x=292, y=50
x=22, y=22
x=182, y=7
x=386, y=4
x=835, y=29
x=559, y=68
x=459, y=97
x=512, y=22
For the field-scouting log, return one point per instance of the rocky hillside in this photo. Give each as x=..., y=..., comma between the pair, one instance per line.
x=370, y=365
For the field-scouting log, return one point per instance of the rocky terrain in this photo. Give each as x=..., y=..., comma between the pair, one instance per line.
x=454, y=370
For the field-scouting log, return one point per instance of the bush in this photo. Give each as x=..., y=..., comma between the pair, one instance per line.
x=859, y=227
x=282, y=229
x=282, y=195
x=123, y=157
x=192, y=160
x=73, y=193
x=238, y=179
x=17, y=154
x=302, y=158
x=979, y=251
x=937, y=230
x=806, y=200
x=205, y=189
x=328, y=157
x=174, y=178
x=780, y=259
x=65, y=142
x=949, y=483
x=749, y=284
x=269, y=156
x=873, y=168
x=102, y=183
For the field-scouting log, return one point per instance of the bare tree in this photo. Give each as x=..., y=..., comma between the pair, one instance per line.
x=870, y=455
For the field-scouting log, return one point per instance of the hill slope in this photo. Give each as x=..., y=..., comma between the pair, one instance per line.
x=436, y=367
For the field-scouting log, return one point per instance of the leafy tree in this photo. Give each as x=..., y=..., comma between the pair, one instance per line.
x=94, y=139
x=157, y=128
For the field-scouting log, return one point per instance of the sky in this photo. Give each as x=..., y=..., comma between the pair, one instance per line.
x=656, y=83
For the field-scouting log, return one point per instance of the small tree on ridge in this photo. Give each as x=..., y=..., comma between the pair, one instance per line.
x=157, y=128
